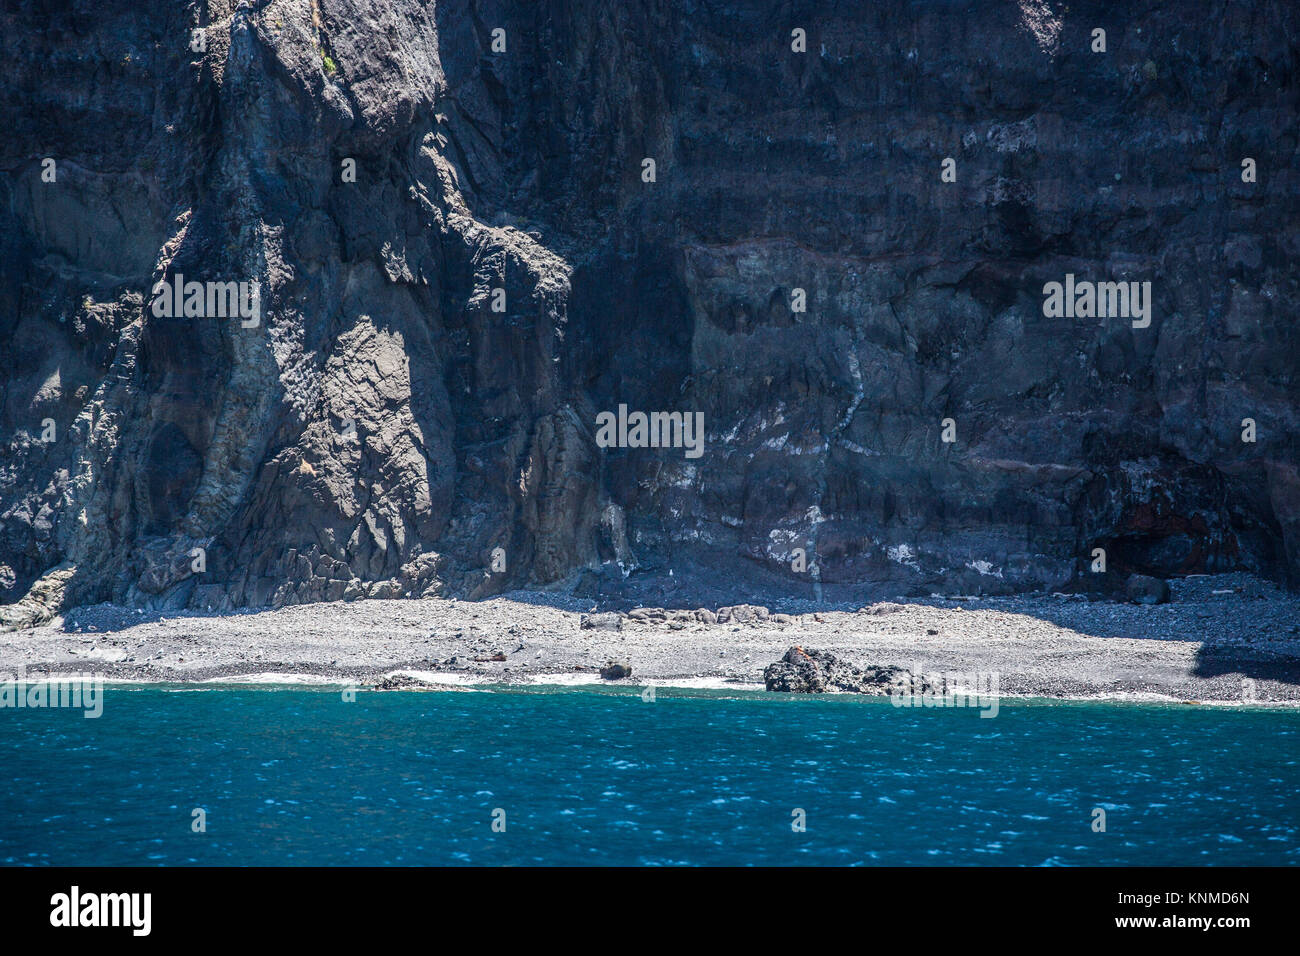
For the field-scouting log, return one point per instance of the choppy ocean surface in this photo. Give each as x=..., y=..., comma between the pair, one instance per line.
x=296, y=775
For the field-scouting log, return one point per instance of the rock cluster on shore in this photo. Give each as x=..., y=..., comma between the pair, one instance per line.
x=810, y=671
x=676, y=620
x=1139, y=589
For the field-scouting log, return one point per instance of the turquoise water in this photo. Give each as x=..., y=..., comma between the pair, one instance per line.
x=298, y=776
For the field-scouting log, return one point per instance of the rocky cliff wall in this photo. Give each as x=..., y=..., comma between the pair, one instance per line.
x=463, y=259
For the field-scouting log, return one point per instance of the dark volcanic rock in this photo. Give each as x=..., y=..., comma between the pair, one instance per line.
x=1142, y=589
x=803, y=671
x=616, y=671
x=401, y=682
x=414, y=413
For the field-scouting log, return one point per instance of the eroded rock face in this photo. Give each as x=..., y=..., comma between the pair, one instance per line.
x=382, y=431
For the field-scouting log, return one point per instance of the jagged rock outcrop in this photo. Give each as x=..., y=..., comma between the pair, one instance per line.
x=802, y=671
x=383, y=430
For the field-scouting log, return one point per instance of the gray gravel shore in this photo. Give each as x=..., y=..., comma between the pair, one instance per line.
x=1224, y=638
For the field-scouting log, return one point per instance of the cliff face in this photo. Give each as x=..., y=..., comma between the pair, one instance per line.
x=413, y=409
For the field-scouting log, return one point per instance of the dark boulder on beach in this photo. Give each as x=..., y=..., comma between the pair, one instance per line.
x=1144, y=589
x=616, y=671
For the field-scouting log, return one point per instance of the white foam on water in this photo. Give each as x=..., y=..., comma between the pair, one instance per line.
x=275, y=677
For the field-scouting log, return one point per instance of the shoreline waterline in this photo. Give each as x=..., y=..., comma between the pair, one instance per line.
x=703, y=688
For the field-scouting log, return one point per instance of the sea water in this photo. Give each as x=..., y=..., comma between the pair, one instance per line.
x=288, y=775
